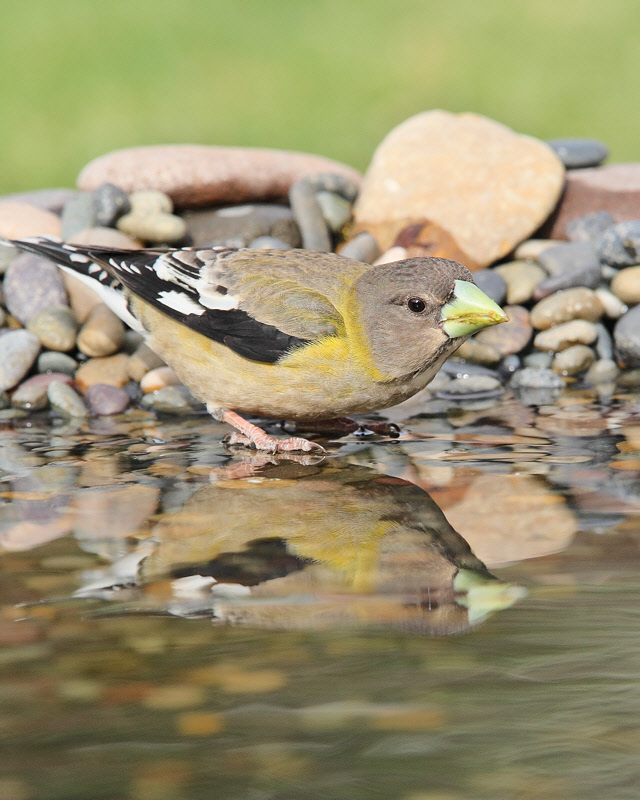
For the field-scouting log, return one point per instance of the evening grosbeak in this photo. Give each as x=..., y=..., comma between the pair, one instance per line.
x=289, y=334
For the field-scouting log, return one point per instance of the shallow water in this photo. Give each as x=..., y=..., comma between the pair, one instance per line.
x=448, y=615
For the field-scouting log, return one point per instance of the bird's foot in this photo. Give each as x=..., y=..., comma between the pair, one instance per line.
x=250, y=435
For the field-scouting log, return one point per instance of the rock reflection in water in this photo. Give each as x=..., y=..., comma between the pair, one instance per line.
x=307, y=546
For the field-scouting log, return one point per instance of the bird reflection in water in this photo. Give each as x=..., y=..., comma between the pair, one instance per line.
x=299, y=546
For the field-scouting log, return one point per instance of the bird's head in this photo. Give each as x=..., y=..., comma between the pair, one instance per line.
x=416, y=312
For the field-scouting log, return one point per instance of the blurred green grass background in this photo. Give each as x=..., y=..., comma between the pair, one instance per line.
x=80, y=78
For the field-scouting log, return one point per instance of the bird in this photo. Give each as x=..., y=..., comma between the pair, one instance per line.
x=285, y=334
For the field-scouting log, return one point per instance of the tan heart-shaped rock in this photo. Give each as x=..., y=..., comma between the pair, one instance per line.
x=458, y=186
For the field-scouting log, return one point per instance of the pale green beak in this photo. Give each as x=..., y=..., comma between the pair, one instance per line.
x=469, y=311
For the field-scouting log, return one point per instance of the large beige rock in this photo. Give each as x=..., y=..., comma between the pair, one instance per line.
x=199, y=175
x=19, y=220
x=458, y=186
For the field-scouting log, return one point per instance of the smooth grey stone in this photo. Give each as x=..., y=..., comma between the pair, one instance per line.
x=568, y=256
x=133, y=390
x=132, y=341
x=338, y=184
x=509, y=365
x=52, y=361
x=65, y=401
x=362, y=247
x=604, y=342
x=626, y=337
x=268, y=243
x=111, y=202
x=589, y=227
x=236, y=226
x=629, y=379
x=475, y=387
x=104, y=400
x=492, y=284
x=456, y=368
x=579, y=276
x=48, y=199
x=605, y=370
x=619, y=245
x=32, y=283
x=172, y=400
x=538, y=360
x=536, y=378
x=78, y=214
x=577, y=153
x=18, y=351
x=574, y=360
x=30, y=397
x=308, y=214
x=56, y=328
x=336, y=210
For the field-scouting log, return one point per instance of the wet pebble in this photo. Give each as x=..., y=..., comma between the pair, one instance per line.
x=604, y=342
x=79, y=212
x=478, y=353
x=336, y=210
x=536, y=386
x=143, y=360
x=509, y=365
x=619, y=245
x=31, y=284
x=568, y=265
x=102, y=334
x=577, y=153
x=492, y=284
x=30, y=397
x=111, y=203
x=542, y=360
x=172, y=400
x=589, y=227
x=604, y=370
x=65, y=401
x=308, y=214
x=521, y=278
x=112, y=370
x=509, y=337
x=613, y=307
x=574, y=360
x=577, y=303
x=18, y=351
x=626, y=285
x=105, y=400
x=626, y=337
x=157, y=379
x=268, y=243
x=559, y=337
x=473, y=387
x=55, y=327
x=455, y=368
x=362, y=247
x=52, y=361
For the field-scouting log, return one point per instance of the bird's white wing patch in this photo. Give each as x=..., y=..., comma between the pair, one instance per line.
x=180, y=302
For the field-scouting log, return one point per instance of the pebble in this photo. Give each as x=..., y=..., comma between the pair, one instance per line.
x=580, y=275
x=307, y=212
x=573, y=360
x=510, y=337
x=335, y=183
x=568, y=256
x=172, y=400
x=478, y=353
x=626, y=285
x=626, y=337
x=392, y=254
x=473, y=387
x=336, y=210
x=436, y=165
x=614, y=188
x=578, y=153
x=509, y=365
x=5, y=402
x=268, y=243
x=47, y=199
x=542, y=360
x=604, y=342
x=154, y=228
x=237, y=226
x=52, y=361
x=105, y=237
x=614, y=308
x=56, y=328
x=104, y=400
x=560, y=337
x=32, y=393
x=362, y=247
x=31, y=284
x=605, y=370
x=578, y=303
x=456, y=368
x=536, y=386
x=79, y=212
x=111, y=203
x=20, y=220
x=159, y=378
x=82, y=298
x=492, y=284
x=619, y=245
x=201, y=175
x=530, y=249
x=111, y=370
x=143, y=360
x=3, y=317
x=65, y=401
x=589, y=227
x=521, y=278
x=18, y=352
x=102, y=334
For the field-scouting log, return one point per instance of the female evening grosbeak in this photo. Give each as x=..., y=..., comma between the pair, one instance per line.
x=290, y=334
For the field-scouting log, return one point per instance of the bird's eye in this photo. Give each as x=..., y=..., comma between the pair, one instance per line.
x=416, y=304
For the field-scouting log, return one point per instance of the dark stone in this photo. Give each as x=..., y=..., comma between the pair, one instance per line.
x=589, y=227
x=579, y=153
x=237, y=226
x=619, y=245
x=626, y=337
x=362, y=247
x=111, y=203
x=78, y=214
x=308, y=214
x=492, y=284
